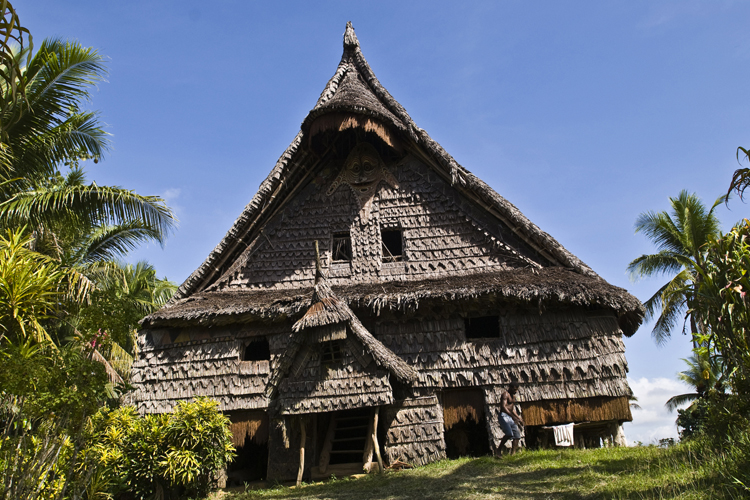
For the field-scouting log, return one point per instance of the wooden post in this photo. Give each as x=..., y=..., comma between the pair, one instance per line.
x=325, y=453
x=301, y=452
x=375, y=439
x=370, y=446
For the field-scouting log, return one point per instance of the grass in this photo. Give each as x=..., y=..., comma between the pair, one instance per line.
x=611, y=473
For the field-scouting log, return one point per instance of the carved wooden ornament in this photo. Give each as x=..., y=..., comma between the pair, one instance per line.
x=363, y=171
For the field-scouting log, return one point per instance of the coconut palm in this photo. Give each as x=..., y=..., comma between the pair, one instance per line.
x=49, y=129
x=703, y=373
x=678, y=236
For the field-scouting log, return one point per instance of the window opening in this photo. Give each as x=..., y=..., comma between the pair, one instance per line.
x=341, y=247
x=392, y=245
x=331, y=352
x=483, y=327
x=257, y=350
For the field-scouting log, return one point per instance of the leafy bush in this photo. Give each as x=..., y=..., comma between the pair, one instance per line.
x=166, y=456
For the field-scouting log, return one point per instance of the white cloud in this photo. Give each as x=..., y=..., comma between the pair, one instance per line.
x=171, y=194
x=653, y=422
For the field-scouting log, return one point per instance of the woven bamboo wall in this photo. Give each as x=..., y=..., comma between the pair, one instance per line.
x=414, y=431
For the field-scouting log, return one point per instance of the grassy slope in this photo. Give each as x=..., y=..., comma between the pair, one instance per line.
x=643, y=472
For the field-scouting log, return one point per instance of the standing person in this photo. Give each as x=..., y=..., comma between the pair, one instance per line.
x=510, y=421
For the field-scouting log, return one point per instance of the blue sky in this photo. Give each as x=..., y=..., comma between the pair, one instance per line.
x=582, y=114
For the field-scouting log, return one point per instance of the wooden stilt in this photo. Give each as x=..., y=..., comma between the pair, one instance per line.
x=325, y=453
x=301, y=452
x=375, y=439
x=370, y=446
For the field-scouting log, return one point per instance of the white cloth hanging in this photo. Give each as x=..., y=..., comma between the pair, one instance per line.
x=563, y=434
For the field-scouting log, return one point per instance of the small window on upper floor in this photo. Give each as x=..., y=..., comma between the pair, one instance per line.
x=331, y=352
x=483, y=327
x=341, y=247
x=393, y=245
x=257, y=350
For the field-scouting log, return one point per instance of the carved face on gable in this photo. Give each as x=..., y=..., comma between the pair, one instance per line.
x=362, y=167
x=362, y=172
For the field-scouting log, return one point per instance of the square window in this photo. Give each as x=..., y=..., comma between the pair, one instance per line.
x=484, y=327
x=331, y=352
x=257, y=350
x=341, y=247
x=393, y=245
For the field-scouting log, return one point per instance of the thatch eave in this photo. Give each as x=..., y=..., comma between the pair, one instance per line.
x=548, y=287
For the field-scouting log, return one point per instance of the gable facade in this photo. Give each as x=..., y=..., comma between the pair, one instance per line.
x=372, y=279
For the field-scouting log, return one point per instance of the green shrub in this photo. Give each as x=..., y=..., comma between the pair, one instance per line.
x=166, y=456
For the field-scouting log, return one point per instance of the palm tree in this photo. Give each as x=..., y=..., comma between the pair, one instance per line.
x=49, y=129
x=124, y=294
x=678, y=236
x=703, y=373
x=12, y=38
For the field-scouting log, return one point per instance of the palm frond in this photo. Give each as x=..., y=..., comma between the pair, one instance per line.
x=663, y=262
x=96, y=205
x=741, y=177
x=108, y=243
x=676, y=401
x=672, y=306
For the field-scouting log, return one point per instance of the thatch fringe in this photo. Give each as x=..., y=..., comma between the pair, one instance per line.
x=249, y=425
x=462, y=405
x=548, y=287
x=554, y=412
x=343, y=121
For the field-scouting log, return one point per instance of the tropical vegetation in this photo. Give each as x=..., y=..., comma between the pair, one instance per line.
x=709, y=291
x=679, y=237
x=69, y=304
x=703, y=373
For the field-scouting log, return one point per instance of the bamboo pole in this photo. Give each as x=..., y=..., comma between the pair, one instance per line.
x=375, y=439
x=301, y=452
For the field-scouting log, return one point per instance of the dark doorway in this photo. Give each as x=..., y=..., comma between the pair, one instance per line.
x=250, y=464
x=465, y=423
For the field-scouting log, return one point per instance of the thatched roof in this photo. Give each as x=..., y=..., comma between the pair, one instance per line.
x=327, y=309
x=547, y=287
x=354, y=90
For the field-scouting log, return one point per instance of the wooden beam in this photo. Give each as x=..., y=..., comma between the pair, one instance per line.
x=303, y=437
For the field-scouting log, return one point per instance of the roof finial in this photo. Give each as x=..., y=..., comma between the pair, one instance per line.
x=350, y=38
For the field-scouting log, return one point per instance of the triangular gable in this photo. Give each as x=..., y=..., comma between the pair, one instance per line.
x=326, y=316
x=354, y=88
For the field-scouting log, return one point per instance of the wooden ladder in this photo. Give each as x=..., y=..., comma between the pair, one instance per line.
x=348, y=444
